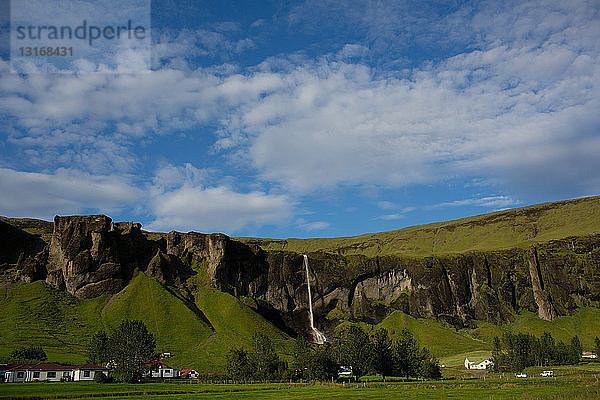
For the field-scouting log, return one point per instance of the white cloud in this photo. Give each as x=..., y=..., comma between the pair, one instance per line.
x=43, y=195
x=386, y=205
x=509, y=111
x=391, y=217
x=180, y=200
x=216, y=209
x=312, y=226
x=497, y=202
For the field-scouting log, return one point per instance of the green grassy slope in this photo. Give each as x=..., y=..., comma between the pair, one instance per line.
x=585, y=323
x=499, y=230
x=34, y=314
x=235, y=324
x=441, y=340
x=177, y=328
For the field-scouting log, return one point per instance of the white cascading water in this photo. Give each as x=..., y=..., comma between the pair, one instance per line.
x=319, y=336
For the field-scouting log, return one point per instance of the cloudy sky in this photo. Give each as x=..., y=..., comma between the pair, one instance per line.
x=314, y=118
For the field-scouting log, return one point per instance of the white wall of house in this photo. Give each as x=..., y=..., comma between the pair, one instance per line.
x=51, y=376
x=84, y=374
x=16, y=376
x=165, y=372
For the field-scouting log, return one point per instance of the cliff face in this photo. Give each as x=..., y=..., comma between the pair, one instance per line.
x=90, y=255
x=551, y=279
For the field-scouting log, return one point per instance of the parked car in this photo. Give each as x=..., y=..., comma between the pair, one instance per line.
x=547, y=373
x=521, y=375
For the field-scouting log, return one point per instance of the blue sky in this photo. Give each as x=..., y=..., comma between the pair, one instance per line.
x=313, y=119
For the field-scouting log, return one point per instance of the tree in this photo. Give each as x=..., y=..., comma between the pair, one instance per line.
x=263, y=357
x=405, y=353
x=597, y=346
x=321, y=365
x=382, y=353
x=301, y=353
x=576, y=349
x=356, y=350
x=98, y=348
x=546, y=349
x=131, y=347
x=238, y=365
x=498, y=357
x=31, y=353
x=429, y=366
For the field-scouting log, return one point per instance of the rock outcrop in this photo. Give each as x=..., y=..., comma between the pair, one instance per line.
x=542, y=299
x=89, y=255
x=17, y=244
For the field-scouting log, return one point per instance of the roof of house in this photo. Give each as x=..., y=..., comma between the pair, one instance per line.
x=187, y=371
x=42, y=367
x=51, y=367
x=89, y=366
x=157, y=363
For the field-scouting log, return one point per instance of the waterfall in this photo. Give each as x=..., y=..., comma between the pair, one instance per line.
x=318, y=336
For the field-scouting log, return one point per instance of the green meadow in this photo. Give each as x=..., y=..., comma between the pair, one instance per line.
x=579, y=387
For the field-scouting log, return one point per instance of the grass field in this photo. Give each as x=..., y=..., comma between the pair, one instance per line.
x=580, y=387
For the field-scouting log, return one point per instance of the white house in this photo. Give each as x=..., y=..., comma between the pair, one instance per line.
x=87, y=372
x=485, y=364
x=50, y=372
x=189, y=373
x=589, y=355
x=161, y=370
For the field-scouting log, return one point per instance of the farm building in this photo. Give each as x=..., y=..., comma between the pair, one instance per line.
x=485, y=364
x=161, y=370
x=51, y=372
x=189, y=373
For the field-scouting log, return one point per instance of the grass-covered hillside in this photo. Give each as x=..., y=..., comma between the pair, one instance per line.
x=199, y=335
x=516, y=227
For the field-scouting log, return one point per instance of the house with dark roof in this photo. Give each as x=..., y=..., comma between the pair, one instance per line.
x=87, y=372
x=51, y=372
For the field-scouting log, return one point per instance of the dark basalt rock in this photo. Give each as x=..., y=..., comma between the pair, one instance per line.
x=16, y=244
x=32, y=268
x=89, y=255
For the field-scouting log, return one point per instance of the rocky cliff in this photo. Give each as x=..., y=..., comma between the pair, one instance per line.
x=91, y=255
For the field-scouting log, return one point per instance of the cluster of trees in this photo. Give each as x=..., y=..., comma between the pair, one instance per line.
x=24, y=355
x=261, y=363
x=127, y=351
x=515, y=352
x=376, y=353
x=367, y=354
